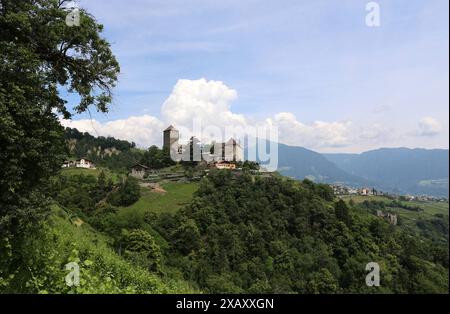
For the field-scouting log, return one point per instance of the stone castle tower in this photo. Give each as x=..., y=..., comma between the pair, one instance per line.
x=170, y=138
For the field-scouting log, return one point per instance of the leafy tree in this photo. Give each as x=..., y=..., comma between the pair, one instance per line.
x=325, y=191
x=341, y=211
x=40, y=56
x=351, y=202
x=251, y=165
x=157, y=158
x=128, y=193
x=322, y=282
x=140, y=246
x=187, y=236
x=101, y=181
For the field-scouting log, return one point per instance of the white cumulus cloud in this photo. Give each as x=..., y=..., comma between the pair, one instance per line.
x=429, y=126
x=315, y=135
x=210, y=103
x=201, y=99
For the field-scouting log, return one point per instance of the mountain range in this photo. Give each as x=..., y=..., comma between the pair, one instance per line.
x=405, y=170
x=395, y=170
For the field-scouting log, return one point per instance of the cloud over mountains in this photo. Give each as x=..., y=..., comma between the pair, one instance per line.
x=211, y=102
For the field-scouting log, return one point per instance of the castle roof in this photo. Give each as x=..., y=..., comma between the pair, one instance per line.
x=79, y=159
x=171, y=127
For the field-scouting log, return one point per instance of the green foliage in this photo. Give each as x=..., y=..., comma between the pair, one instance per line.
x=40, y=50
x=247, y=165
x=351, y=203
x=323, y=190
x=427, y=218
x=273, y=235
x=322, y=282
x=187, y=236
x=107, y=152
x=42, y=268
x=374, y=205
x=156, y=158
x=141, y=247
x=128, y=193
x=436, y=228
x=342, y=212
x=85, y=141
x=80, y=192
x=40, y=56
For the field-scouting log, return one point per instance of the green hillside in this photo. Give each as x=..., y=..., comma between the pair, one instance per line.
x=84, y=227
x=230, y=232
x=115, y=176
x=430, y=208
x=275, y=235
x=65, y=238
x=429, y=218
x=224, y=234
x=176, y=195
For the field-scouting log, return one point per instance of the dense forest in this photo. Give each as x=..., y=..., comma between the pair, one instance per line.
x=280, y=236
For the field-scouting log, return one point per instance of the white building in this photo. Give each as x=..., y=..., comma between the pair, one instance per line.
x=84, y=163
x=68, y=164
x=365, y=191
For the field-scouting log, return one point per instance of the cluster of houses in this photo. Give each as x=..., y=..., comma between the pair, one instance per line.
x=79, y=163
x=340, y=189
x=345, y=190
x=425, y=198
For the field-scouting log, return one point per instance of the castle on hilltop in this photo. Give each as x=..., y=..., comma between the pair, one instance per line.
x=230, y=151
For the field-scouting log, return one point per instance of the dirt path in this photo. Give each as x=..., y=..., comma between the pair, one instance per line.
x=155, y=187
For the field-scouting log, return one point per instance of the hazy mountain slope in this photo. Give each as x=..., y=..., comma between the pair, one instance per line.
x=300, y=163
x=419, y=171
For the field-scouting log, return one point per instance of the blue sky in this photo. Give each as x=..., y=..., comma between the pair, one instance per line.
x=315, y=62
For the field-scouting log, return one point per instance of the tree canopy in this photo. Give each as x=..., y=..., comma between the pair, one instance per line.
x=275, y=235
x=43, y=61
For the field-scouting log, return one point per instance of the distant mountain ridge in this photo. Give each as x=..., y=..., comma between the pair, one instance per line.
x=405, y=170
x=299, y=162
x=394, y=170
